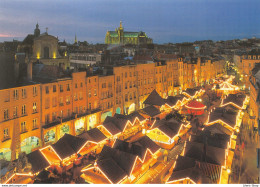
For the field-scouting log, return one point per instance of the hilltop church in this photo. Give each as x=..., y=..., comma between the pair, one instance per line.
x=119, y=36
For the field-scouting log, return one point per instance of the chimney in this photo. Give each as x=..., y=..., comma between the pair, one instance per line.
x=29, y=70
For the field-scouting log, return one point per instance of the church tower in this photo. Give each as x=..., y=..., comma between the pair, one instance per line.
x=75, y=41
x=37, y=31
x=121, y=33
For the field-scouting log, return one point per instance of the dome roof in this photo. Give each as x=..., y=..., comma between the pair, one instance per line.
x=195, y=105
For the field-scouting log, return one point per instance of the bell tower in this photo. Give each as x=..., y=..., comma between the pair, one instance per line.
x=37, y=30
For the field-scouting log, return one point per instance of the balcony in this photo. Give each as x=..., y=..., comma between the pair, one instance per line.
x=24, y=131
x=6, y=138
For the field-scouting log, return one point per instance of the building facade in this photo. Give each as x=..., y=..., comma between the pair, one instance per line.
x=37, y=115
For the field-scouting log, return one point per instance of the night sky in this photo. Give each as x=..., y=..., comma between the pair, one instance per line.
x=163, y=20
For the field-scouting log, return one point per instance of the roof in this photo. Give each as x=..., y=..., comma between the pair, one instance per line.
x=68, y=145
x=191, y=91
x=188, y=168
x=114, y=125
x=170, y=127
x=113, y=33
x=37, y=160
x=111, y=169
x=115, y=163
x=205, y=153
x=216, y=140
x=172, y=100
x=237, y=99
x=154, y=99
x=151, y=111
x=94, y=135
x=195, y=105
x=28, y=39
x=131, y=34
x=217, y=128
x=226, y=116
x=131, y=117
x=138, y=147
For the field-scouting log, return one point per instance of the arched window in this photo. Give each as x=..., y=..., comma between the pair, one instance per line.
x=46, y=52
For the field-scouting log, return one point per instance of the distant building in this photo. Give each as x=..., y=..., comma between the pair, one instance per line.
x=119, y=36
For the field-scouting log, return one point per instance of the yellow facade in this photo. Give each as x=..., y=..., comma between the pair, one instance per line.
x=78, y=103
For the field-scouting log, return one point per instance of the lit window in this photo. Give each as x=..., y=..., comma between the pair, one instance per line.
x=6, y=133
x=6, y=114
x=34, y=107
x=24, y=110
x=24, y=93
x=23, y=126
x=15, y=94
x=35, y=123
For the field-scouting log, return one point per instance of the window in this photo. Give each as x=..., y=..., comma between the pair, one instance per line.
x=15, y=94
x=23, y=126
x=23, y=110
x=76, y=85
x=81, y=84
x=89, y=106
x=126, y=85
x=54, y=102
x=6, y=133
x=23, y=93
x=68, y=112
x=61, y=101
x=104, y=85
x=47, y=118
x=130, y=74
x=126, y=97
x=80, y=110
x=15, y=111
x=34, y=123
x=125, y=74
x=95, y=92
x=67, y=100
x=34, y=107
x=54, y=116
x=46, y=89
x=89, y=93
x=34, y=91
x=61, y=88
x=80, y=96
x=68, y=87
x=54, y=88
x=6, y=114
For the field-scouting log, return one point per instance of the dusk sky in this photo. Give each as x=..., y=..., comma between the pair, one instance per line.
x=163, y=20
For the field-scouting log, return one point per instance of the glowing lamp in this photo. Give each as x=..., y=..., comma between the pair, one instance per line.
x=228, y=171
x=237, y=130
x=54, y=55
x=38, y=55
x=143, y=131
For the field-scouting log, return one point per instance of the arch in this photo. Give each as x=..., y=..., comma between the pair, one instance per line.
x=105, y=114
x=118, y=110
x=131, y=108
x=29, y=144
x=170, y=93
x=46, y=52
x=65, y=129
x=79, y=126
x=49, y=136
x=5, y=153
x=92, y=121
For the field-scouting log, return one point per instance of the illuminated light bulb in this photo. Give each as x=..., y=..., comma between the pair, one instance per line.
x=228, y=171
